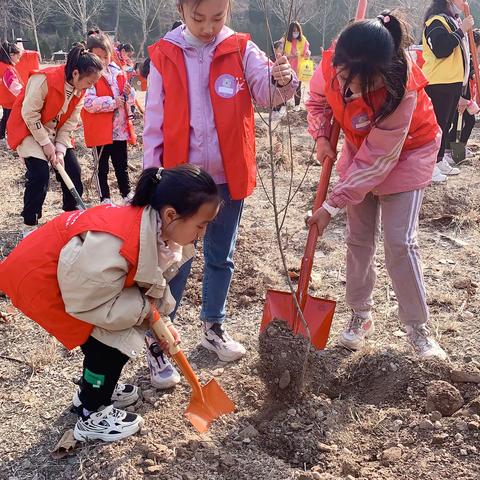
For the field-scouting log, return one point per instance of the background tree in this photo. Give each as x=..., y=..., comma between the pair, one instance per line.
x=81, y=11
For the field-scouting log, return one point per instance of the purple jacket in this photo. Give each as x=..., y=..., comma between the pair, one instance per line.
x=204, y=146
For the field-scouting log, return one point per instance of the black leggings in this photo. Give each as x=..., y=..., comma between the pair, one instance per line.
x=468, y=122
x=36, y=186
x=102, y=367
x=117, y=151
x=3, y=122
x=445, y=99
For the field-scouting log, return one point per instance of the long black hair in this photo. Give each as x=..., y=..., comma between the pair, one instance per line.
x=79, y=58
x=376, y=48
x=185, y=188
x=7, y=49
x=439, y=7
x=290, y=31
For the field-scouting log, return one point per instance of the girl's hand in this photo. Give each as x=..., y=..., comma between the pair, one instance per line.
x=282, y=71
x=463, y=103
x=59, y=159
x=164, y=344
x=120, y=102
x=324, y=150
x=127, y=89
x=49, y=151
x=467, y=24
x=321, y=218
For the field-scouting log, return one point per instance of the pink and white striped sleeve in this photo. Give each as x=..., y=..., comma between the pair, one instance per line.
x=319, y=111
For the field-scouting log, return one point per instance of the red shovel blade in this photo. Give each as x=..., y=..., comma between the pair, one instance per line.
x=318, y=314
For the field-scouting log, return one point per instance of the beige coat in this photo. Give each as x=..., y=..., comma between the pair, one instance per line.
x=91, y=275
x=35, y=94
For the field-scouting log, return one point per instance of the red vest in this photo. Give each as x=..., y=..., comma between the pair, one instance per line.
x=232, y=108
x=17, y=129
x=98, y=127
x=7, y=98
x=29, y=274
x=29, y=61
x=356, y=118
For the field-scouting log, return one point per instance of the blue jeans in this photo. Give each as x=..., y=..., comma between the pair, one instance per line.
x=218, y=249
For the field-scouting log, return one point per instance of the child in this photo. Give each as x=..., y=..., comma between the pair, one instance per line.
x=370, y=85
x=202, y=81
x=106, y=120
x=87, y=277
x=40, y=126
x=10, y=82
x=297, y=49
x=123, y=54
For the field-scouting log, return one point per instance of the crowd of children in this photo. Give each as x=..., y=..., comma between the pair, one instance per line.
x=89, y=277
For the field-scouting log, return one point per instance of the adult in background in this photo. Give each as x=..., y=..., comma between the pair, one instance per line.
x=447, y=68
x=297, y=49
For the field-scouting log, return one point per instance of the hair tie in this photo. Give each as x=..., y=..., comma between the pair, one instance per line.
x=384, y=18
x=158, y=175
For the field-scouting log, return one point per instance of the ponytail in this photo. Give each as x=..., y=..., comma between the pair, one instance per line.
x=185, y=188
x=80, y=59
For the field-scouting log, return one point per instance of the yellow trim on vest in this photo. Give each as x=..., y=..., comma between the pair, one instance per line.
x=442, y=70
x=300, y=47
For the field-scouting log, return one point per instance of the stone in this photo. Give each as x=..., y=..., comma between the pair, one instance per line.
x=188, y=476
x=295, y=426
x=474, y=406
x=426, y=424
x=474, y=426
x=458, y=438
x=436, y=416
x=285, y=380
x=438, y=425
x=391, y=455
x=397, y=425
x=350, y=467
x=153, y=469
x=291, y=411
x=439, y=438
x=460, y=376
x=218, y=372
x=443, y=397
x=323, y=447
x=227, y=460
x=461, y=425
x=463, y=452
x=148, y=462
x=248, y=432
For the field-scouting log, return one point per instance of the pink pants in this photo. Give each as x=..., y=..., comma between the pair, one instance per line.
x=398, y=215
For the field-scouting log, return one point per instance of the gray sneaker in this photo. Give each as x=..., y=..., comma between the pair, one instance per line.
x=357, y=330
x=424, y=345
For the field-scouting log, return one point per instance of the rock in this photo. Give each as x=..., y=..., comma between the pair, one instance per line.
x=439, y=438
x=284, y=381
x=391, y=455
x=246, y=440
x=227, y=460
x=323, y=447
x=458, y=438
x=218, y=372
x=397, y=425
x=291, y=411
x=444, y=397
x=463, y=452
x=350, y=467
x=438, y=425
x=474, y=426
x=474, y=405
x=467, y=315
x=305, y=476
x=153, y=469
x=317, y=476
x=148, y=462
x=295, y=426
x=460, y=376
x=436, y=416
x=426, y=424
x=472, y=448
x=248, y=432
x=188, y=476
x=461, y=425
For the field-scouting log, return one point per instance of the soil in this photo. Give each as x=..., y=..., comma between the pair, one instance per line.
x=358, y=415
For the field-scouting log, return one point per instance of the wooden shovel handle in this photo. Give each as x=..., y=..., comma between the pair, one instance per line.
x=162, y=332
x=473, y=52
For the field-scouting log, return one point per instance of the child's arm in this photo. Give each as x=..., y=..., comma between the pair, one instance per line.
x=35, y=94
x=95, y=104
x=377, y=156
x=64, y=134
x=11, y=81
x=306, y=50
x=153, y=127
x=91, y=275
x=258, y=74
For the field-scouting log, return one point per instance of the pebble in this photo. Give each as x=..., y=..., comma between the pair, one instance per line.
x=291, y=411
x=458, y=438
x=350, y=467
x=148, y=462
x=296, y=426
x=188, y=476
x=467, y=315
x=435, y=416
x=218, y=372
x=426, y=424
x=461, y=425
x=246, y=440
x=472, y=448
x=474, y=425
x=443, y=397
x=391, y=455
x=153, y=469
x=439, y=438
x=397, y=425
x=248, y=432
x=438, y=425
x=323, y=447
x=463, y=452
x=284, y=381
x=476, y=418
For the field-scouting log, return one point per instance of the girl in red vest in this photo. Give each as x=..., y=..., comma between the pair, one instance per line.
x=123, y=55
x=10, y=82
x=368, y=82
x=203, y=78
x=88, y=278
x=41, y=124
x=106, y=120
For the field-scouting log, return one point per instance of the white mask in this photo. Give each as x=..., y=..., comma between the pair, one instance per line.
x=295, y=34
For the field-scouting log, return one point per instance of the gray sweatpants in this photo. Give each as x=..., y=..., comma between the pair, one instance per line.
x=398, y=214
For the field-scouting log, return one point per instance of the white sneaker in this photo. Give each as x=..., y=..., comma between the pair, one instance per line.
x=128, y=199
x=446, y=168
x=448, y=157
x=438, y=176
x=357, y=330
x=106, y=201
x=28, y=229
x=123, y=396
x=109, y=424
x=424, y=345
x=163, y=374
x=469, y=153
x=297, y=108
x=217, y=340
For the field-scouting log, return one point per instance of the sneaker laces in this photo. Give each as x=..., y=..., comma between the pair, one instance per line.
x=355, y=323
x=419, y=336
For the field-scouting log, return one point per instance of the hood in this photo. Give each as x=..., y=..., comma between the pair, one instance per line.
x=177, y=38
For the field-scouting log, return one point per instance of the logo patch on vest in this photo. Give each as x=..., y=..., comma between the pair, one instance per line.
x=361, y=122
x=227, y=86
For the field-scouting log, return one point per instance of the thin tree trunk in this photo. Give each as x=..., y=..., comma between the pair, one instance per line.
x=117, y=22
x=37, y=42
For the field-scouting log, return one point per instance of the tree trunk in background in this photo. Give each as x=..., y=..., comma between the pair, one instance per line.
x=117, y=22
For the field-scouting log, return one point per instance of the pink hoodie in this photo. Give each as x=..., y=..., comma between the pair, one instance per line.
x=380, y=165
x=204, y=146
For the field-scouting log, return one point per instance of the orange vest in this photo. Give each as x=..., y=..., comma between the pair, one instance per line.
x=98, y=127
x=7, y=98
x=232, y=108
x=17, y=129
x=357, y=119
x=29, y=61
x=29, y=274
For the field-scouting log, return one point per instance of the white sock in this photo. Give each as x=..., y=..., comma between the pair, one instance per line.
x=365, y=314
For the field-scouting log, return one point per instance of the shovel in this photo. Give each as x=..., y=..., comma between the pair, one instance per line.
x=458, y=148
x=68, y=182
x=207, y=402
x=317, y=312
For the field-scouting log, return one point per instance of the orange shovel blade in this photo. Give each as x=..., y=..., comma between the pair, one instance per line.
x=318, y=314
x=201, y=412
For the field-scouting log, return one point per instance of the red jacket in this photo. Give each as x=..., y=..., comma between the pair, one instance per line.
x=98, y=127
x=29, y=274
x=7, y=98
x=17, y=129
x=356, y=118
x=234, y=119
x=29, y=61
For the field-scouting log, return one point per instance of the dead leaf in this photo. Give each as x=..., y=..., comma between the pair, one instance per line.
x=293, y=274
x=65, y=445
